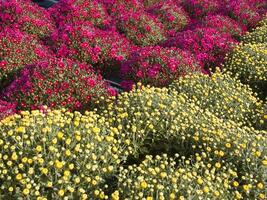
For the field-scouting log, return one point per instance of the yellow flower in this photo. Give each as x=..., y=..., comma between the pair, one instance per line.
x=38, y=148
x=58, y=164
x=115, y=195
x=260, y=185
x=143, y=184
x=60, y=135
x=71, y=166
x=235, y=183
x=44, y=171
x=218, y=165
x=14, y=156
x=246, y=187
x=264, y=162
x=172, y=196
x=49, y=184
x=21, y=129
x=10, y=189
x=19, y=177
x=68, y=153
x=199, y=181
x=96, y=130
x=262, y=196
x=26, y=191
x=61, y=192
x=68, y=141
x=206, y=189
x=149, y=198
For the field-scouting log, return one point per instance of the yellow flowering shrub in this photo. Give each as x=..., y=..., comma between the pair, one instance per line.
x=56, y=154
x=144, y=114
x=248, y=62
x=161, y=177
x=155, y=120
x=222, y=95
x=258, y=35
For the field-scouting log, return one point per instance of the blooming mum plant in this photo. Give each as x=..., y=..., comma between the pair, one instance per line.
x=161, y=120
x=57, y=83
x=162, y=177
x=258, y=35
x=200, y=8
x=244, y=11
x=18, y=49
x=56, y=155
x=27, y=16
x=224, y=24
x=248, y=62
x=172, y=16
x=158, y=66
x=79, y=11
x=141, y=28
x=208, y=45
x=222, y=95
x=87, y=44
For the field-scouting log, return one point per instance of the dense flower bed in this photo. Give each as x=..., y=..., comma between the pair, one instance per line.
x=248, y=63
x=18, y=49
x=57, y=83
x=158, y=66
x=79, y=11
x=87, y=44
x=27, y=16
x=207, y=44
x=182, y=132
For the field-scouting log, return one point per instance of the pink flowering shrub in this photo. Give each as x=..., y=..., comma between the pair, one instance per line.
x=27, y=16
x=18, y=49
x=79, y=11
x=90, y=45
x=224, y=24
x=57, y=83
x=173, y=17
x=201, y=8
x=141, y=28
x=245, y=12
x=207, y=44
x=118, y=7
x=157, y=66
x=6, y=109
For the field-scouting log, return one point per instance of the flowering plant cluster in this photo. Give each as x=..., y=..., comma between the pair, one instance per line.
x=177, y=134
x=57, y=83
x=57, y=154
x=258, y=35
x=222, y=95
x=224, y=24
x=158, y=66
x=27, y=16
x=18, y=49
x=207, y=44
x=248, y=63
x=141, y=28
x=244, y=11
x=161, y=177
x=172, y=16
x=6, y=109
x=161, y=120
x=90, y=45
x=213, y=158
x=201, y=8
x=79, y=11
